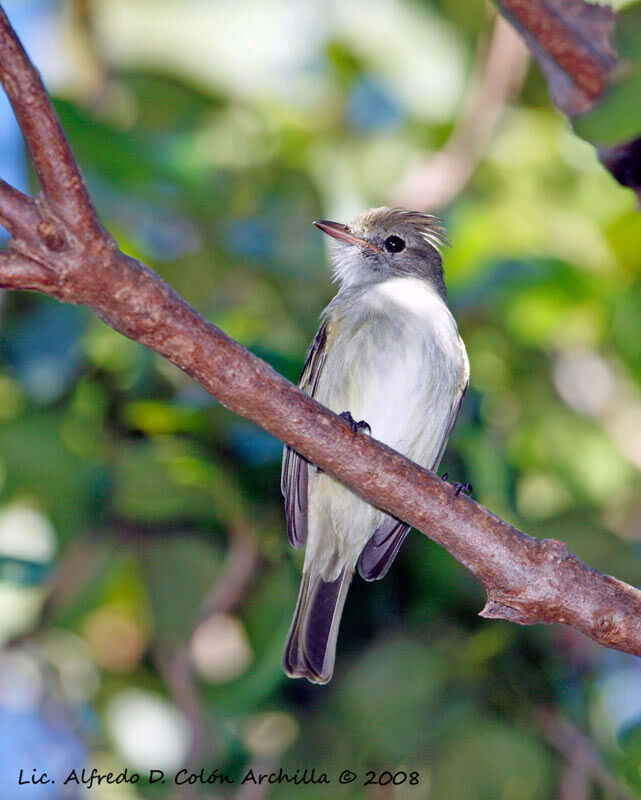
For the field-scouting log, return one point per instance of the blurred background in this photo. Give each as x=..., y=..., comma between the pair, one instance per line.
x=146, y=582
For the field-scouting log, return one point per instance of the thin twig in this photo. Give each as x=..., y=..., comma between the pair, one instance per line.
x=574, y=783
x=236, y=576
x=79, y=566
x=580, y=753
x=527, y=581
x=176, y=670
x=10, y=200
x=53, y=160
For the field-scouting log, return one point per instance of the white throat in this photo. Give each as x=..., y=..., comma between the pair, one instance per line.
x=414, y=295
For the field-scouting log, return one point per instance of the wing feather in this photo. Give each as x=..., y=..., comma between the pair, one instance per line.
x=456, y=407
x=294, y=476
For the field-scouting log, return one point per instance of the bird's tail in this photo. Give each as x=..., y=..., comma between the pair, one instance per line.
x=310, y=649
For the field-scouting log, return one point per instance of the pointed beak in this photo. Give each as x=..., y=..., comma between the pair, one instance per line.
x=341, y=232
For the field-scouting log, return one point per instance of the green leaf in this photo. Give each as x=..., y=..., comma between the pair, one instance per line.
x=617, y=118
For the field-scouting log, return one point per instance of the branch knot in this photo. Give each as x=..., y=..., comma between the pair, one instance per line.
x=552, y=550
x=52, y=235
x=607, y=623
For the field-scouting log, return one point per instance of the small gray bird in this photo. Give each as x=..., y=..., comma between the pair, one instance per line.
x=388, y=353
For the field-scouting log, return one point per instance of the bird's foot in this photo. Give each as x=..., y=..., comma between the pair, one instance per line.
x=361, y=425
x=465, y=488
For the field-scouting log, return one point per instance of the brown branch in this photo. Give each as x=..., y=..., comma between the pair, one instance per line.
x=53, y=160
x=570, y=40
x=17, y=270
x=527, y=581
x=572, y=43
x=17, y=211
x=569, y=52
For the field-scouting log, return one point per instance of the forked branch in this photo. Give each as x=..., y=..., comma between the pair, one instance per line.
x=59, y=247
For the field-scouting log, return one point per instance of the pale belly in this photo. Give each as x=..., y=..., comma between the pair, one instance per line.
x=403, y=380
x=402, y=383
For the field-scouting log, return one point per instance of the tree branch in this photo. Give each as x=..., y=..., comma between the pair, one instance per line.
x=570, y=40
x=17, y=211
x=17, y=270
x=53, y=160
x=70, y=256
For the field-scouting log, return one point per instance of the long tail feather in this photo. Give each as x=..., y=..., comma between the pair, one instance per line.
x=310, y=649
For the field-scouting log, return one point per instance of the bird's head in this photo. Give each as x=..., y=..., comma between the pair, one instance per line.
x=382, y=243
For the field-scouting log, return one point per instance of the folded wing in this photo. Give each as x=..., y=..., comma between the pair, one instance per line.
x=294, y=476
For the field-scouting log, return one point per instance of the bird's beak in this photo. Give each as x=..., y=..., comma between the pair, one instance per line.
x=341, y=232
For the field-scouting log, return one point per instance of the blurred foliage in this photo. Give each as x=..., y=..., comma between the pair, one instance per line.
x=211, y=135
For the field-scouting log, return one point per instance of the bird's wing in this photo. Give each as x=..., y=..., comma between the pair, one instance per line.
x=294, y=475
x=456, y=407
x=379, y=552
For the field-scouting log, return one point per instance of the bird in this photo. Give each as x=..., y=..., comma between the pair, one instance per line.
x=388, y=353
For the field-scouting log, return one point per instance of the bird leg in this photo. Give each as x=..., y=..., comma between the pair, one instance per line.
x=466, y=488
x=361, y=425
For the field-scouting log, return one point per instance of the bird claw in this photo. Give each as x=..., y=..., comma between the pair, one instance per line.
x=465, y=488
x=361, y=425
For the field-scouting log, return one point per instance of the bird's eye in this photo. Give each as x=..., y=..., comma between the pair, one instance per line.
x=394, y=244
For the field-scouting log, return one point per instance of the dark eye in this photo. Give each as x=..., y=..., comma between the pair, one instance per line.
x=394, y=244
